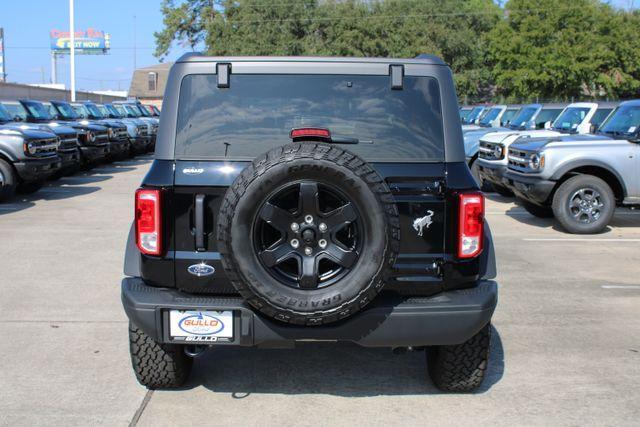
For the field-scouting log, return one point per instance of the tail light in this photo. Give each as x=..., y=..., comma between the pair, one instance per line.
x=312, y=133
x=470, y=226
x=148, y=222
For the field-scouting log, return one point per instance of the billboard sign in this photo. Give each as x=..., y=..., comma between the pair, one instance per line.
x=3, y=76
x=87, y=42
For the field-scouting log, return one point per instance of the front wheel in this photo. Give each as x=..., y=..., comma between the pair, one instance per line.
x=157, y=365
x=584, y=204
x=8, y=181
x=461, y=367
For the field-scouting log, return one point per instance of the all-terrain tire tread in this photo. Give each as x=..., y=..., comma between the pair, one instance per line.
x=157, y=365
x=316, y=151
x=461, y=367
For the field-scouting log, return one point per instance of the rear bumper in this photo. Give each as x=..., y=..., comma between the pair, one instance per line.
x=531, y=188
x=447, y=318
x=35, y=169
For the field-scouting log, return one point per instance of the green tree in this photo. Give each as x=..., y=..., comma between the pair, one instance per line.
x=453, y=30
x=553, y=49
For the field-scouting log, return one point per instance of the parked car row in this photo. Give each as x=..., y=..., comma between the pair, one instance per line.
x=43, y=140
x=574, y=162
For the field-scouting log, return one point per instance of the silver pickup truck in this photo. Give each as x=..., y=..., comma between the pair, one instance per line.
x=580, y=179
x=549, y=120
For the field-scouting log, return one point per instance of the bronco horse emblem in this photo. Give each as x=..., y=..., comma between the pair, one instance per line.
x=420, y=223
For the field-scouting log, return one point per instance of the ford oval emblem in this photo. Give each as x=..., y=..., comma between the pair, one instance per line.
x=201, y=270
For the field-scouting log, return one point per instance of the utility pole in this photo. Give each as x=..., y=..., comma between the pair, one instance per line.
x=54, y=68
x=72, y=32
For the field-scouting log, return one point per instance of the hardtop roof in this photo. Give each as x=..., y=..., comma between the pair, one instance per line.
x=420, y=59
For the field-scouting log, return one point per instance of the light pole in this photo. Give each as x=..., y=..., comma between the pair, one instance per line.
x=72, y=33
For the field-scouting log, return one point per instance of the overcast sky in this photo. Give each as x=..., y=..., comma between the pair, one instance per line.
x=27, y=24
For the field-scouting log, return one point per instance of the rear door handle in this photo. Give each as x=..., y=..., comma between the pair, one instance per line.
x=199, y=213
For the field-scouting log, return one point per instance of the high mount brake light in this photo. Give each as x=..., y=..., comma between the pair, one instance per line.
x=148, y=221
x=470, y=224
x=313, y=133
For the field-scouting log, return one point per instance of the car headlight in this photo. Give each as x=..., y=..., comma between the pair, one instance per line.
x=31, y=148
x=498, y=151
x=536, y=161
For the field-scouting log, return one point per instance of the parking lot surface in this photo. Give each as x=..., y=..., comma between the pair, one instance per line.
x=565, y=345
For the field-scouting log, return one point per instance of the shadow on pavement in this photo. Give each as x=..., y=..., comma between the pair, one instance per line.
x=55, y=192
x=621, y=219
x=495, y=197
x=82, y=179
x=341, y=369
x=72, y=185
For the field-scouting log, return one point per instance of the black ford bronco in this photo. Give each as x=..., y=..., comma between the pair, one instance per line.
x=309, y=199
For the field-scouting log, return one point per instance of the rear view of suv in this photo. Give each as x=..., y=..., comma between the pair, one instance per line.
x=309, y=199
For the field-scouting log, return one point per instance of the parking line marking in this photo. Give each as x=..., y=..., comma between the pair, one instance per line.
x=620, y=286
x=580, y=240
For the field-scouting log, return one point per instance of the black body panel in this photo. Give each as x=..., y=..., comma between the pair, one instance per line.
x=425, y=264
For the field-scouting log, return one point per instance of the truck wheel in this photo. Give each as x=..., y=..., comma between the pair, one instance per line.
x=537, y=210
x=584, y=204
x=8, y=181
x=307, y=233
x=157, y=365
x=503, y=191
x=461, y=367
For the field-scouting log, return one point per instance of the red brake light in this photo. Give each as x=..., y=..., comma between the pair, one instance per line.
x=470, y=225
x=310, y=133
x=148, y=222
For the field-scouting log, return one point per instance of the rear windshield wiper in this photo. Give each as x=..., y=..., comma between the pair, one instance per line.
x=346, y=140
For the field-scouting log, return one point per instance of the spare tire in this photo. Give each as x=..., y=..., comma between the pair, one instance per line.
x=307, y=233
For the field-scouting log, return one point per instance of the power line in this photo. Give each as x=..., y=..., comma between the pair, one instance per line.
x=48, y=48
x=377, y=16
x=93, y=79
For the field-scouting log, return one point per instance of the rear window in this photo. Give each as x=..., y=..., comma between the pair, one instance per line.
x=257, y=113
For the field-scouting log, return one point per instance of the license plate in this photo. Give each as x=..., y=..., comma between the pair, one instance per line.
x=201, y=326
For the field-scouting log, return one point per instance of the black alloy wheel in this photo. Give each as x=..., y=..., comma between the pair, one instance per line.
x=307, y=235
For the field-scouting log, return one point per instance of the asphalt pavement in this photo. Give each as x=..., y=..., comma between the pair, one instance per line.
x=565, y=344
